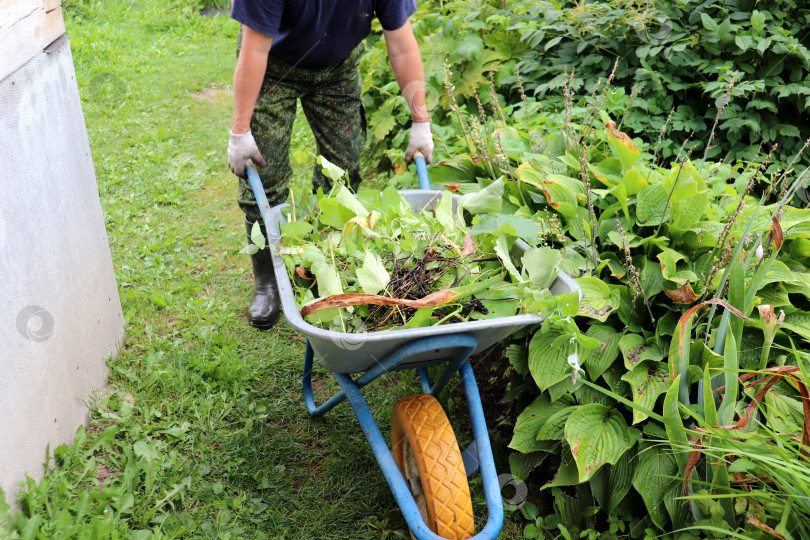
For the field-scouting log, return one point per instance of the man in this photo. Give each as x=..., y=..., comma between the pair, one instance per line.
x=308, y=50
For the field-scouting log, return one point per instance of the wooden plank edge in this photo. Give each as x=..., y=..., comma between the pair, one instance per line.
x=28, y=37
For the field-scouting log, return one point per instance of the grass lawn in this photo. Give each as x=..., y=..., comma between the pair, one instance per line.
x=202, y=430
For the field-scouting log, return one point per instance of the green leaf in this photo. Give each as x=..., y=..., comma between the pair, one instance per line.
x=348, y=200
x=334, y=214
x=444, y=210
x=623, y=145
x=488, y=200
x=554, y=428
x=725, y=412
x=690, y=209
x=597, y=360
x=469, y=47
x=541, y=265
x=597, y=435
x=653, y=477
x=633, y=182
x=529, y=422
x=256, y=235
x=502, y=251
x=744, y=42
x=674, y=426
x=522, y=227
x=567, y=473
x=520, y=465
x=327, y=278
x=296, y=229
x=651, y=206
x=548, y=362
x=612, y=482
x=597, y=299
x=372, y=276
x=635, y=350
x=648, y=381
x=330, y=170
x=757, y=20
x=708, y=22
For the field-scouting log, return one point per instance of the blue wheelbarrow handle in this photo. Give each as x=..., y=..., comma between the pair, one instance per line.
x=421, y=170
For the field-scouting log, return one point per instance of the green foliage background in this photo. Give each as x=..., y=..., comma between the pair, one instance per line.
x=675, y=57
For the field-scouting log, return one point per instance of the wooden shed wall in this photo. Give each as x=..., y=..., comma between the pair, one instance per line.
x=26, y=28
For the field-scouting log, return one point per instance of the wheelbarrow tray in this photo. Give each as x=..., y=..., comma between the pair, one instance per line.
x=344, y=352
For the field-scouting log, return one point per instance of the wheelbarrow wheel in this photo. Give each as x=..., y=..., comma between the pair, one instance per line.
x=427, y=454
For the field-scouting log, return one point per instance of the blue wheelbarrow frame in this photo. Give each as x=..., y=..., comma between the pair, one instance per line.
x=397, y=350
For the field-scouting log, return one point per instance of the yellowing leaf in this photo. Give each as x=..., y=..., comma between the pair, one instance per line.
x=624, y=147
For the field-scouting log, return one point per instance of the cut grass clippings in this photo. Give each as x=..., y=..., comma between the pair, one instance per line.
x=201, y=432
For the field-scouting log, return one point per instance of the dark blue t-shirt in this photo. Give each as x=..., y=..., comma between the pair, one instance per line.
x=316, y=33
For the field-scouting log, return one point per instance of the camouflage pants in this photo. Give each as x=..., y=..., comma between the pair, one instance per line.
x=330, y=97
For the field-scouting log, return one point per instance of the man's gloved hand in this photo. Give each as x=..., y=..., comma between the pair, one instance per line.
x=241, y=148
x=420, y=139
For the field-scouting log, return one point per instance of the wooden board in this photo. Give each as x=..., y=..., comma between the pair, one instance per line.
x=27, y=27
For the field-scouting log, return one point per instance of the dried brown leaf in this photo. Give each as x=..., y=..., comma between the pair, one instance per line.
x=683, y=295
x=360, y=299
x=776, y=232
x=469, y=245
x=302, y=272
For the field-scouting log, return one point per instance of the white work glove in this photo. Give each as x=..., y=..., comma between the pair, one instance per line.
x=241, y=148
x=420, y=139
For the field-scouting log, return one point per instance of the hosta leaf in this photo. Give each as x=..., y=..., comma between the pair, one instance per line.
x=633, y=182
x=372, y=276
x=597, y=301
x=529, y=422
x=690, y=209
x=597, y=360
x=798, y=322
x=548, y=363
x=653, y=477
x=554, y=428
x=612, y=482
x=648, y=381
x=597, y=435
x=652, y=205
x=567, y=474
x=520, y=465
x=487, y=201
x=635, y=350
x=624, y=147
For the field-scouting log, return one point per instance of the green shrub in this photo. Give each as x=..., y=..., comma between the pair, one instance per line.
x=676, y=57
x=649, y=244
x=680, y=56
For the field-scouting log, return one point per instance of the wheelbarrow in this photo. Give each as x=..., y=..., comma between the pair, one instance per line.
x=425, y=469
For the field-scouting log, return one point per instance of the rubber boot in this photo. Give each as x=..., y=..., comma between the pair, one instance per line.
x=264, y=309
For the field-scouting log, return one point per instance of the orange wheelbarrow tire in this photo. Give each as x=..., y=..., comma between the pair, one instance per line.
x=427, y=454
